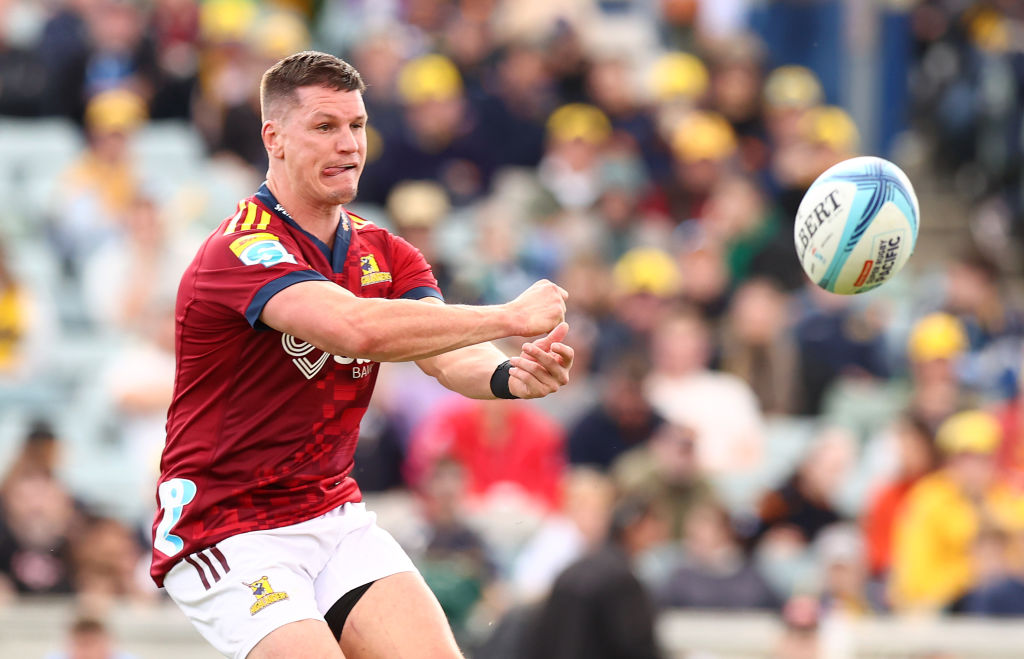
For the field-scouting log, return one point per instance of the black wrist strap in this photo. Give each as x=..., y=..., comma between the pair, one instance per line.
x=499, y=380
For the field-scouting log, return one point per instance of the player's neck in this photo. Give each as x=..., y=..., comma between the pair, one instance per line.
x=321, y=221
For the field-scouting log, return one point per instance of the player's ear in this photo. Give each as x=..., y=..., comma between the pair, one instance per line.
x=272, y=139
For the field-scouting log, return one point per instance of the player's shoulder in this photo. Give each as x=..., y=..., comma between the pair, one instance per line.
x=252, y=226
x=363, y=225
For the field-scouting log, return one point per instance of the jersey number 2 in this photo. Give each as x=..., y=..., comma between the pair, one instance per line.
x=174, y=495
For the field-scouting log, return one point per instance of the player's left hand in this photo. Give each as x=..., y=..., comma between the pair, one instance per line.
x=542, y=366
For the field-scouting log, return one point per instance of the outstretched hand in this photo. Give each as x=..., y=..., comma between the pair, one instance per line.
x=542, y=366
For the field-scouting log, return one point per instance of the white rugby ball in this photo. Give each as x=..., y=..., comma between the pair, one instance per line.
x=857, y=225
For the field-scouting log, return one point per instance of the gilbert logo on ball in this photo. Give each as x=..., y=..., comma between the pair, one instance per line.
x=857, y=225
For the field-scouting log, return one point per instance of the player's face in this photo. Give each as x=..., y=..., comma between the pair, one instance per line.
x=325, y=144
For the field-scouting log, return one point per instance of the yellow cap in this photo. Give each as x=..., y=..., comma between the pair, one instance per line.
x=579, y=121
x=678, y=75
x=647, y=270
x=223, y=21
x=936, y=336
x=279, y=34
x=703, y=136
x=115, y=110
x=831, y=126
x=970, y=432
x=792, y=87
x=429, y=78
x=418, y=203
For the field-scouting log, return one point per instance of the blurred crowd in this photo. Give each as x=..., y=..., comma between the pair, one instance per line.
x=733, y=438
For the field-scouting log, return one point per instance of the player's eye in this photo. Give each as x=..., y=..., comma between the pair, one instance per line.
x=323, y=128
x=357, y=126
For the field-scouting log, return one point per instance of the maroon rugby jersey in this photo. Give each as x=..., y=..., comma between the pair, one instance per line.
x=263, y=426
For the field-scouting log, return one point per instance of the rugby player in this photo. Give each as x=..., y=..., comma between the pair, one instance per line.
x=281, y=321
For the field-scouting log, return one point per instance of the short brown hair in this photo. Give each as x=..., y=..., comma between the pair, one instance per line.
x=306, y=69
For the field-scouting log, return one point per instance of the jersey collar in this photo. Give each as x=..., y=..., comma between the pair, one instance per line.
x=342, y=238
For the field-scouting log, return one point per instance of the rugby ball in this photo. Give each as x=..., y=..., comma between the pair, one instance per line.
x=857, y=225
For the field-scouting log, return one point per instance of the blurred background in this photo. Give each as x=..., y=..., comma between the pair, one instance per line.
x=743, y=465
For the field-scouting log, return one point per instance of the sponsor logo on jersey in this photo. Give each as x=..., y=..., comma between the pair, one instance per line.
x=261, y=248
x=372, y=273
x=300, y=351
x=264, y=594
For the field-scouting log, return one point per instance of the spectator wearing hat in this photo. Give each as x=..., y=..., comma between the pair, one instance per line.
x=703, y=146
x=946, y=511
x=677, y=85
x=644, y=283
x=439, y=139
x=577, y=137
x=99, y=188
x=935, y=350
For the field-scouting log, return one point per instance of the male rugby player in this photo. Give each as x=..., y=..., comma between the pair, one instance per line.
x=282, y=319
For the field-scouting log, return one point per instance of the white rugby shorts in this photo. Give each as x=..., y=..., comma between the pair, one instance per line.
x=248, y=585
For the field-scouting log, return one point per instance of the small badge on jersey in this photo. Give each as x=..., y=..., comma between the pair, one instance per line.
x=372, y=273
x=264, y=594
x=261, y=248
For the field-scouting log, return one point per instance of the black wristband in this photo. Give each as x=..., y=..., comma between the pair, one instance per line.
x=499, y=380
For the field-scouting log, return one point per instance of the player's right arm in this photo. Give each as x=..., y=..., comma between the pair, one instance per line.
x=333, y=319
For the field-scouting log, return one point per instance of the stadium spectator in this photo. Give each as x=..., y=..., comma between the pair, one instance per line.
x=999, y=582
x=455, y=560
x=665, y=469
x=845, y=586
x=720, y=408
x=109, y=565
x=439, y=137
x=621, y=420
x=703, y=144
x=579, y=527
x=917, y=457
x=577, y=136
x=836, y=342
x=801, y=618
x=944, y=513
x=40, y=454
x=804, y=504
x=508, y=450
x=713, y=572
x=757, y=243
x=89, y=638
x=15, y=322
x=644, y=283
x=99, y=188
x=757, y=346
x=935, y=349
x=36, y=526
x=597, y=607
x=993, y=324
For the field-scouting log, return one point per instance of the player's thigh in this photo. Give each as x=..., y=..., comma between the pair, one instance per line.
x=305, y=639
x=398, y=618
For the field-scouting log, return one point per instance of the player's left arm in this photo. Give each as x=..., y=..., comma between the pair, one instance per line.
x=541, y=368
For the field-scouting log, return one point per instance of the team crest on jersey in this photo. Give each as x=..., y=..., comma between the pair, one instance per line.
x=264, y=594
x=261, y=248
x=372, y=273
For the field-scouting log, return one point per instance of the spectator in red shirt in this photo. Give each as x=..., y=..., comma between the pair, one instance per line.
x=498, y=444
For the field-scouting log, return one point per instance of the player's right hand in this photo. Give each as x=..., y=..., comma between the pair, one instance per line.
x=538, y=309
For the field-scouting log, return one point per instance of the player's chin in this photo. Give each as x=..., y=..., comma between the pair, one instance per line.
x=339, y=195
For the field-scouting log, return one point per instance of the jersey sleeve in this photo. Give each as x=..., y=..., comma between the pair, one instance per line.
x=242, y=271
x=413, y=278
